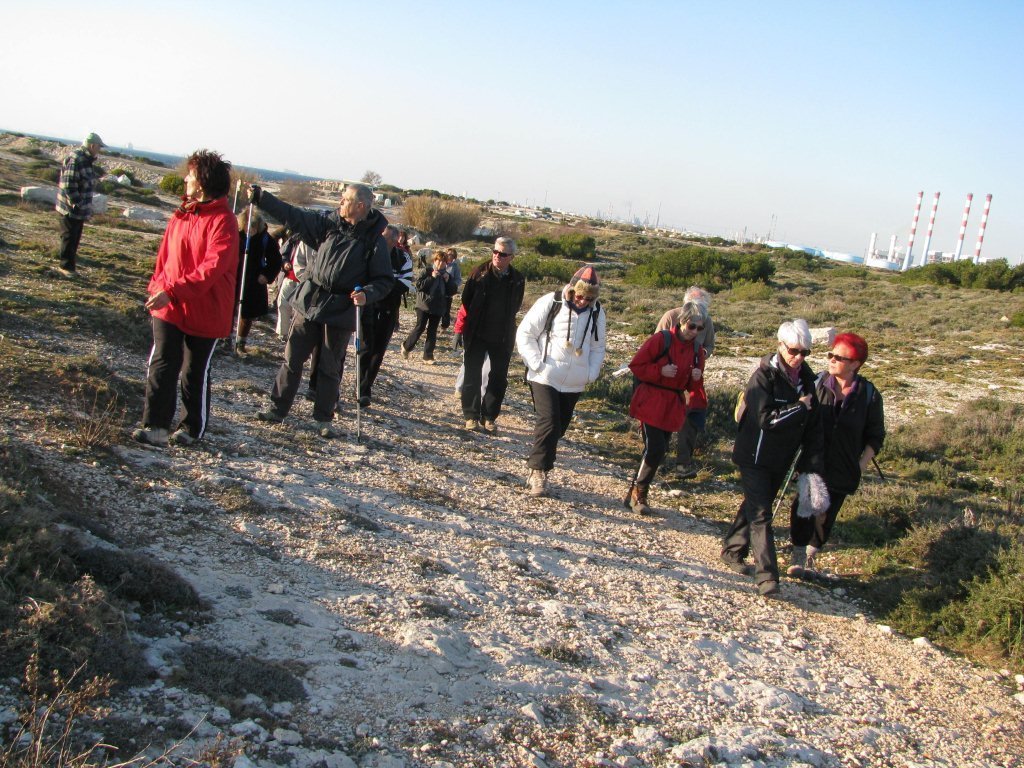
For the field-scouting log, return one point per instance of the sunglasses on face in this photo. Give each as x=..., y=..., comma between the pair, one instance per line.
x=502, y=254
x=840, y=358
x=586, y=299
x=694, y=327
x=797, y=352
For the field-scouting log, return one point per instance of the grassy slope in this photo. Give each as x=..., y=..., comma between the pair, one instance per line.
x=935, y=351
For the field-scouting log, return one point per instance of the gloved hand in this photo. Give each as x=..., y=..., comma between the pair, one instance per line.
x=458, y=342
x=254, y=193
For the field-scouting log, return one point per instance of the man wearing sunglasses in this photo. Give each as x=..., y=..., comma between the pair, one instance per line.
x=492, y=295
x=780, y=417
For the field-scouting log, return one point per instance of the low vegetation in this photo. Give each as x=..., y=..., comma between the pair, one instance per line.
x=448, y=220
x=712, y=268
x=993, y=275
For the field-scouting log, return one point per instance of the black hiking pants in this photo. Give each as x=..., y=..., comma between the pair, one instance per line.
x=178, y=356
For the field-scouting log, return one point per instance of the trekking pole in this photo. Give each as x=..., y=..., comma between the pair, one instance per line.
x=785, y=484
x=359, y=349
x=241, y=287
x=880, y=473
x=234, y=203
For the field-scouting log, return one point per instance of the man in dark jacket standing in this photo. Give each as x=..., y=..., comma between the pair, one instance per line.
x=74, y=199
x=350, y=252
x=492, y=296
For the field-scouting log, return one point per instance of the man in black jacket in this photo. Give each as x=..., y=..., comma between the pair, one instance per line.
x=350, y=252
x=492, y=295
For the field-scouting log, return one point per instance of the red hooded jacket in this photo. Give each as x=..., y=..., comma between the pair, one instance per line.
x=660, y=401
x=197, y=265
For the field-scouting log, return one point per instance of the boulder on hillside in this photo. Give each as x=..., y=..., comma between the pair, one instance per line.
x=823, y=335
x=40, y=194
x=139, y=213
x=49, y=195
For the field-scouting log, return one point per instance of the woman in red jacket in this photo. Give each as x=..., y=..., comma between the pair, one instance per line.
x=191, y=300
x=666, y=375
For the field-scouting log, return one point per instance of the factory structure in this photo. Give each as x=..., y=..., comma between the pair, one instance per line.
x=897, y=259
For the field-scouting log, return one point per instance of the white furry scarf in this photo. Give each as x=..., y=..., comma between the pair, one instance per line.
x=814, y=498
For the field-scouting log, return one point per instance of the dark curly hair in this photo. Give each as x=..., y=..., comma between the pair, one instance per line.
x=212, y=172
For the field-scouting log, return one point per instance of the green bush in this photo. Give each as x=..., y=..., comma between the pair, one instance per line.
x=1017, y=320
x=575, y=245
x=127, y=172
x=713, y=269
x=537, y=268
x=744, y=290
x=990, y=275
x=993, y=612
x=448, y=220
x=173, y=184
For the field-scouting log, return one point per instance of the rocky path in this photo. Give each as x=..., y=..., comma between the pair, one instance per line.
x=437, y=616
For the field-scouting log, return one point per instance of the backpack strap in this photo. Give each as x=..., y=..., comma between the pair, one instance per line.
x=556, y=304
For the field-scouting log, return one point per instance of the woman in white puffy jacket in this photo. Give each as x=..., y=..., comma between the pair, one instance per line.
x=562, y=341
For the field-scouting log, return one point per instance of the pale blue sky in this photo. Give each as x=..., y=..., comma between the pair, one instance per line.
x=829, y=116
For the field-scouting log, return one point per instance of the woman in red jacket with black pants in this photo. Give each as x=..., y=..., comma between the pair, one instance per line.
x=192, y=301
x=666, y=378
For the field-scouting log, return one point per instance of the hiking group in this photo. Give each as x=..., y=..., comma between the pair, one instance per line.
x=348, y=269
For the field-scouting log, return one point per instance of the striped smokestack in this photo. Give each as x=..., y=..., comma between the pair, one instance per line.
x=981, y=229
x=931, y=226
x=963, y=227
x=908, y=262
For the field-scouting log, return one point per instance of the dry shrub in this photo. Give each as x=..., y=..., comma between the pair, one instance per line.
x=98, y=427
x=296, y=192
x=448, y=220
x=229, y=678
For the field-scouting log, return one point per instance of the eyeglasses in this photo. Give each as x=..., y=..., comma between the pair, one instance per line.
x=840, y=358
x=501, y=254
x=692, y=327
x=795, y=351
x=586, y=299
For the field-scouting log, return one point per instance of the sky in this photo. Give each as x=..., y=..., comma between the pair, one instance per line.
x=813, y=123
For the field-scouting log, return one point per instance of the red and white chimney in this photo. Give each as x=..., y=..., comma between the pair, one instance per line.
x=981, y=230
x=963, y=227
x=931, y=226
x=908, y=262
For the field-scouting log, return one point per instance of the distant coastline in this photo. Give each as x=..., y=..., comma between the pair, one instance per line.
x=172, y=161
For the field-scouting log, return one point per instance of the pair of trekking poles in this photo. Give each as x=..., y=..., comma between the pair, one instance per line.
x=241, y=299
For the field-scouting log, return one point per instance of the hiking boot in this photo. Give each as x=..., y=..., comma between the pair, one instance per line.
x=638, y=499
x=684, y=471
x=769, y=589
x=536, y=482
x=737, y=566
x=310, y=395
x=364, y=401
x=270, y=415
x=182, y=437
x=490, y=427
x=810, y=567
x=240, y=349
x=70, y=274
x=472, y=424
x=405, y=352
x=325, y=430
x=798, y=563
x=151, y=436
x=428, y=361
